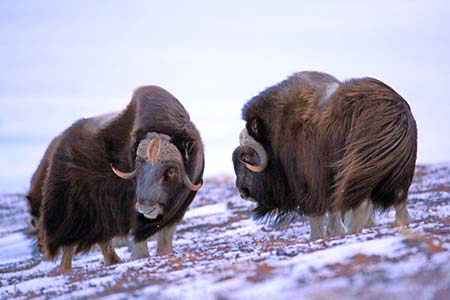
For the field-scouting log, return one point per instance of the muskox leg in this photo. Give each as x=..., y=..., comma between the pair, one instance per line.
x=335, y=227
x=66, y=261
x=317, y=227
x=165, y=237
x=359, y=217
x=138, y=250
x=401, y=215
x=371, y=219
x=120, y=241
x=109, y=254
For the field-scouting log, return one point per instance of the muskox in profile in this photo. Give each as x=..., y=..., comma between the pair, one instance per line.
x=136, y=170
x=313, y=145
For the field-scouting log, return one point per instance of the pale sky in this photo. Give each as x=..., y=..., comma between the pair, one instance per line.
x=63, y=60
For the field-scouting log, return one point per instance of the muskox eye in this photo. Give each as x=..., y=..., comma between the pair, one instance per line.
x=171, y=173
x=255, y=128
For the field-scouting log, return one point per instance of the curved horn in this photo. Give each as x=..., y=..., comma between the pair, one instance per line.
x=186, y=180
x=189, y=184
x=163, y=150
x=246, y=140
x=124, y=175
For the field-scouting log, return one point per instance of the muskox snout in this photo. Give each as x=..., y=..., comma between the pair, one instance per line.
x=149, y=211
x=244, y=193
x=33, y=226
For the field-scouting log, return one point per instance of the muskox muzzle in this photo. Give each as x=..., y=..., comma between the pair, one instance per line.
x=251, y=146
x=245, y=178
x=159, y=173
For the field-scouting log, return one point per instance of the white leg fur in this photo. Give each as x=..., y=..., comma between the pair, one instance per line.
x=401, y=215
x=165, y=237
x=371, y=222
x=317, y=227
x=359, y=217
x=138, y=250
x=120, y=241
x=335, y=227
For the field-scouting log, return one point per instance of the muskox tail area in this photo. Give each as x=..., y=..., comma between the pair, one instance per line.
x=381, y=147
x=52, y=223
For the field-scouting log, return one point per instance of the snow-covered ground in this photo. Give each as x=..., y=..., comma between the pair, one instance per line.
x=220, y=253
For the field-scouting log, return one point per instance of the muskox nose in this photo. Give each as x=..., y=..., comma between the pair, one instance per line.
x=244, y=192
x=149, y=211
x=33, y=226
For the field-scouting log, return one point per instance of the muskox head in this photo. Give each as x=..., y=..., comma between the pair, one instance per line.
x=160, y=175
x=260, y=179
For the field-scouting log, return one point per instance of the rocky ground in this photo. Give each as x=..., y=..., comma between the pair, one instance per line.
x=220, y=253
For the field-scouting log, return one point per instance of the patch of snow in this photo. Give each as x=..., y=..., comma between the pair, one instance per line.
x=15, y=247
x=35, y=284
x=206, y=210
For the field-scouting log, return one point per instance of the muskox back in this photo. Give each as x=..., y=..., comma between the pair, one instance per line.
x=375, y=144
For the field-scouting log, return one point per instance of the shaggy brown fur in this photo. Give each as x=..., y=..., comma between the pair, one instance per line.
x=83, y=201
x=34, y=195
x=334, y=151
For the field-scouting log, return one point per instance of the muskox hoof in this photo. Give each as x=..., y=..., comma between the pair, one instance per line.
x=371, y=221
x=66, y=261
x=162, y=252
x=113, y=260
x=139, y=255
x=336, y=229
x=335, y=226
x=401, y=215
x=64, y=270
x=360, y=217
x=110, y=256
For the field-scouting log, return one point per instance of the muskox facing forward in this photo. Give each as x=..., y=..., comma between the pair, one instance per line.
x=138, y=169
x=314, y=145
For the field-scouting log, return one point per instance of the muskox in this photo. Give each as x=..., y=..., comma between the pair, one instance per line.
x=314, y=145
x=135, y=171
